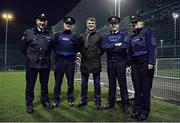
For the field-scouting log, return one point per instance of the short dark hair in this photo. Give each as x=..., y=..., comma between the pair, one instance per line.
x=92, y=19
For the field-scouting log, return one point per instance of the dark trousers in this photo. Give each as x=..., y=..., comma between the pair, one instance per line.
x=84, y=87
x=31, y=76
x=142, y=80
x=117, y=70
x=62, y=67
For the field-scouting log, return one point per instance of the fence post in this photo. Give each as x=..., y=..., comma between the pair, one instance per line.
x=156, y=65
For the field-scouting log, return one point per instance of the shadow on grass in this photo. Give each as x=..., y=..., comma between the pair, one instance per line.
x=38, y=117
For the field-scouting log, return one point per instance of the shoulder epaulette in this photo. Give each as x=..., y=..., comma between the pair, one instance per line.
x=60, y=32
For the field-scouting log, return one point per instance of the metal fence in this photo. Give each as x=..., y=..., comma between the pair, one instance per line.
x=166, y=83
x=15, y=59
x=167, y=79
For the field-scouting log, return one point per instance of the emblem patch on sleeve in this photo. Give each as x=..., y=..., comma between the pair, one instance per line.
x=23, y=38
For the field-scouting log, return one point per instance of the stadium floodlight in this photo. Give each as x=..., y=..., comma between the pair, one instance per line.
x=161, y=41
x=115, y=1
x=119, y=6
x=175, y=16
x=7, y=17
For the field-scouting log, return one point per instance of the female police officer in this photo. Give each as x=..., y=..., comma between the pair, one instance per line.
x=143, y=57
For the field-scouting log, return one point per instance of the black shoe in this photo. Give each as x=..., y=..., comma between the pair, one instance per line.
x=71, y=103
x=82, y=104
x=107, y=106
x=135, y=115
x=98, y=105
x=47, y=105
x=55, y=104
x=126, y=110
x=142, y=117
x=29, y=109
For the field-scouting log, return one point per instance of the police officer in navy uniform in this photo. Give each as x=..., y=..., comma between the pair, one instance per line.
x=36, y=45
x=116, y=44
x=65, y=49
x=143, y=57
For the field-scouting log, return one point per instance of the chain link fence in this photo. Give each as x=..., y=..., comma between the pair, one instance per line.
x=166, y=83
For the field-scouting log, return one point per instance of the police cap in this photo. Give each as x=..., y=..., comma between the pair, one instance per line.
x=135, y=18
x=114, y=19
x=41, y=16
x=69, y=20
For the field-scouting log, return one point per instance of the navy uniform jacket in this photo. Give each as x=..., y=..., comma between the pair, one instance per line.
x=116, y=53
x=143, y=43
x=65, y=44
x=37, y=47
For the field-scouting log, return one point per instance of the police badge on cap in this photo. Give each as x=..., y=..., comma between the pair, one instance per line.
x=42, y=16
x=69, y=20
x=135, y=18
x=114, y=19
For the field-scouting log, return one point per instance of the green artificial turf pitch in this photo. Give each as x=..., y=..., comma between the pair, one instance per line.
x=12, y=104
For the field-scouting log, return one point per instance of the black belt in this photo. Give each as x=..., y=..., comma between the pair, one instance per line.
x=68, y=58
x=116, y=58
x=139, y=59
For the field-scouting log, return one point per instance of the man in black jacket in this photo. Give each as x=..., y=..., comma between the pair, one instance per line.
x=90, y=62
x=36, y=45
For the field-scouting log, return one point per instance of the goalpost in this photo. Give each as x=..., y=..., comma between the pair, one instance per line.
x=168, y=68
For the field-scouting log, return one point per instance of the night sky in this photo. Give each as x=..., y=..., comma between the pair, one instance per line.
x=24, y=13
x=25, y=10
